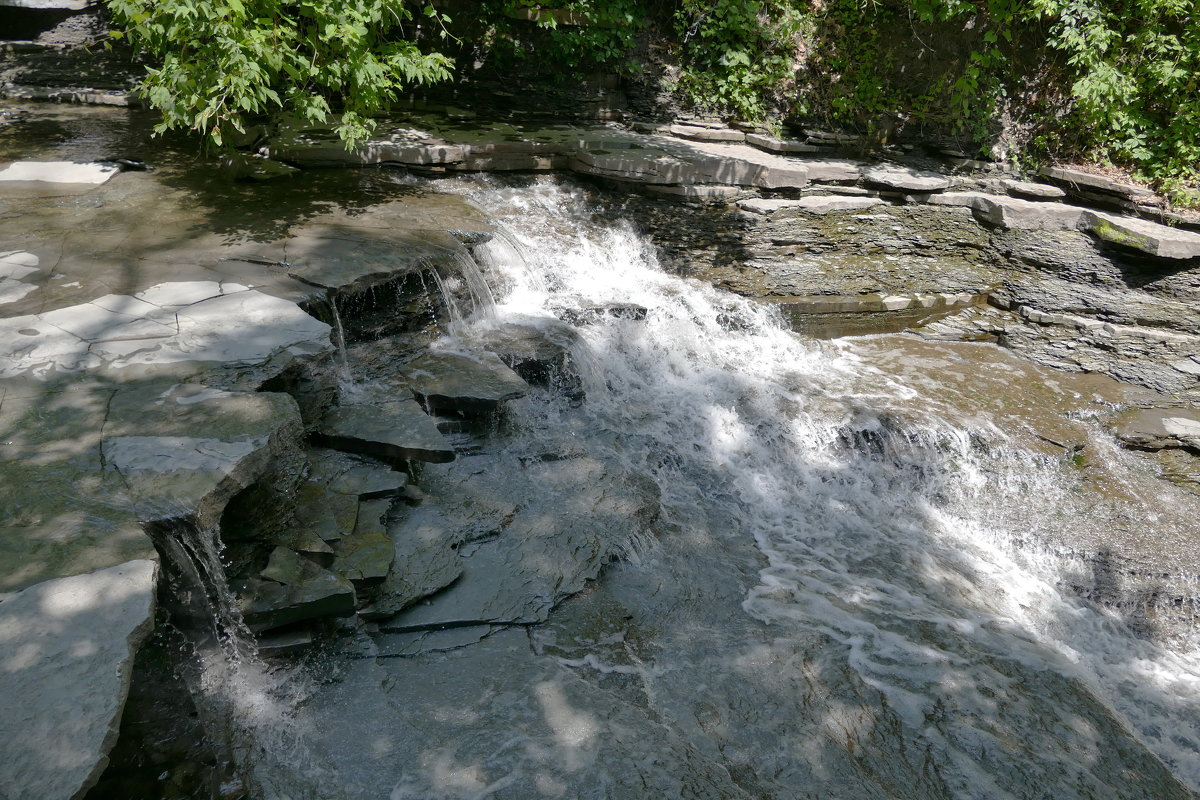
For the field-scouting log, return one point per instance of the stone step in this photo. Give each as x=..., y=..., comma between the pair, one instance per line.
x=394, y=432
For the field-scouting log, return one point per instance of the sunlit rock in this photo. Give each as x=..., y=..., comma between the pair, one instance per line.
x=66, y=657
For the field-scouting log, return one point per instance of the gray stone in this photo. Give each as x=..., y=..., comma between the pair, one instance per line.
x=351, y=261
x=782, y=146
x=1076, y=178
x=813, y=204
x=170, y=329
x=833, y=170
x=1010, y=212
x=1158, y=428
x=699, y=193
x=1149, y=237
x=704, y=134
x=426, y=561
x=1033, y=191
x=905, y=179
x=188, y=450
x=66, y=658
x=14, y=266
x=539, y=351
x=58, y=172
x=394, y=432
x=541, y=554
x=314, y=593
x=366, y=555
x=321, y=514
x=464, y=384
x=958, y=199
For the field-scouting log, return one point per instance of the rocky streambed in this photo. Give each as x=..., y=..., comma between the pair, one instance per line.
x=376, y=431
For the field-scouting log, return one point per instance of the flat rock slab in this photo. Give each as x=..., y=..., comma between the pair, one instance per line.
x=1159, y=428
x=1075, y=178
x=66, y=658
x=905, y=179
x=63, y=513
x=1033, y=191
x=184, y=451
x=311, y=592
x=15, y=265
x=352, y=260
x=1012, y=212
x=357, y=476
x=781, y=146
x=470, y=385
x=538, y=350
x=394, y=432
x=426, y=561
x=815, y=204
x=169, y=328
x=496, y=720
x=541, y=554
x=90, y=173
x=1149, y=237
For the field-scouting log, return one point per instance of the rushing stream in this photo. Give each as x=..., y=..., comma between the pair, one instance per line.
x=843, y=597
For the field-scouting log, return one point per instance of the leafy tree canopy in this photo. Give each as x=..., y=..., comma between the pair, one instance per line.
x=221, y=61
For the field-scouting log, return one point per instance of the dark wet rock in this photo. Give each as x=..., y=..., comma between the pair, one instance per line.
x=251, y=168
x=310, y=593
x=426, y=561
x=905, y=179
x=364, y=557
x=575, y=739
x=1159, y=428
x=394, y=432
x=69, y=646
x=539, y=350
x=321, y=515
x=359, y=476
x=542, y=555
x=589, y=315
x=470, y=385
x=284, y=642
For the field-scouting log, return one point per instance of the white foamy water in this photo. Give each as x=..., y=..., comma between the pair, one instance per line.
x=901, y=542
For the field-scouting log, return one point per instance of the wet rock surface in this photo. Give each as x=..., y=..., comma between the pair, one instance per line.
x=472, y=385
x=69, y=645
x=521, y=620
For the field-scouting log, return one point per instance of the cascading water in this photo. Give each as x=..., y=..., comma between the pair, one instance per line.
x=842, y=600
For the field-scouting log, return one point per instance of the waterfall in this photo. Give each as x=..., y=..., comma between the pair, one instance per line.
x=852, y=589
x=903, y=544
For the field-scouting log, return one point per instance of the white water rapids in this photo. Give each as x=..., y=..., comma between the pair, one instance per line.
x=836, y=602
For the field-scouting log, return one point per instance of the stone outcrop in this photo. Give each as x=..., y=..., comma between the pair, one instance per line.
x=470, y=385
x=394, y=431
x=68, y=646
x=1159, y=428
